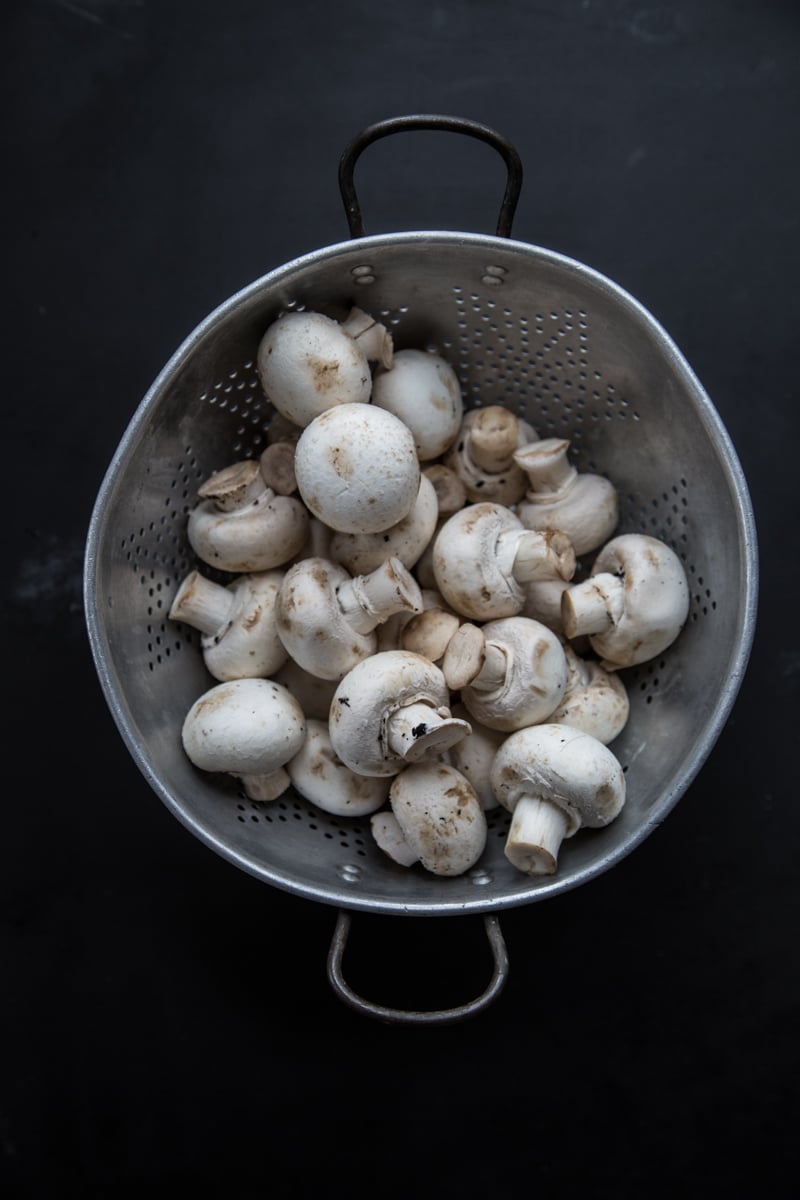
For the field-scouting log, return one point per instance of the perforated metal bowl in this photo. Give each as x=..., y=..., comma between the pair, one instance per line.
x=562, y=346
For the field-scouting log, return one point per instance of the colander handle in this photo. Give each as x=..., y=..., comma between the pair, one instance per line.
x=430, y=121
x=398, y=1016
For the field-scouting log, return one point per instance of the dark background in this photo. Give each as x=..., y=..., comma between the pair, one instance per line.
x=166, y=1019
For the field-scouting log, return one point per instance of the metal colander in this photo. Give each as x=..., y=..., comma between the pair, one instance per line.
x=565, y=348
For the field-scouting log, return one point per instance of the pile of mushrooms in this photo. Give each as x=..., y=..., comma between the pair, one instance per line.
x=420, y=613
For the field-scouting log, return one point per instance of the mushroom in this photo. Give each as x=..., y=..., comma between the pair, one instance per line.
x=438, y=816
x=511, y=672
x=277, y=467
x=324, y=780
x=308, y=362
x=422, y=389
x=633, y=604
x=391, y=710
x=595, y=700
x=451, y=495
x=553, y=780
x=483, y=454
x=241, y=525
x=473, y=756
x=357, y=469
x=327, y=618
x=387, y=833
x=484, y=556
x=317, y=543
x=281, y=429
x=582, y=505
x=360, y=552
x=247, y=728
x=313, y=694
x=239, y=634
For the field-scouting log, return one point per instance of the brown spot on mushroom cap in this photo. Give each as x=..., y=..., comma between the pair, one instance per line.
x=324, y=372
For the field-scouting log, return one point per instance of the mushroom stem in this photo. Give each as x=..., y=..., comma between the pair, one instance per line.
x=268, y=786
x=592, y=606
x=368, y=600
x=534, y=836
x=373, y=338
x=540, y=555
x=494, y=670
x=235, y=486
x=390, y=838
x=201, y=603
x=547, y=467
x=494, y=436
x=472, y=660
x=417, y=730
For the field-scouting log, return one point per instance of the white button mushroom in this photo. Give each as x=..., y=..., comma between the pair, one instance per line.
x=422, y=389
x=390, y=710
x=247, y=728
x=582, y=505
x=237, y=623
x=511, y=672
x=313, y=694
x=327, y=618
x=357, y=469
x=451, y=495
x=634, y=603
x=388, y=835
x=483, y=454
x=483, y=556
x=276, y=463
x=324, y=780
x=473, y=756
x=241, y=525
x=553, y=780
x=439, y=816
x=360, y=552
x=308, y=362
x=595, y=700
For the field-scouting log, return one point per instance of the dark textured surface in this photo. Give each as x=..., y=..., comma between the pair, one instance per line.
x=166, y=1019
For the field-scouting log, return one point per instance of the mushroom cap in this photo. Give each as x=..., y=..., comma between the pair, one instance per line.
x=361, y=552
x=563, y=766
x=535, y=679
x=312, y=693
x=595, y=700
x=368, y=695
x=440, y=816
x=357, y=468
x=248, y=644
x=243, y=727
x=310, y=623
x=473, y=756
x=473, y=577
x=422, y=389
x=323, y=779
x=308, y=363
